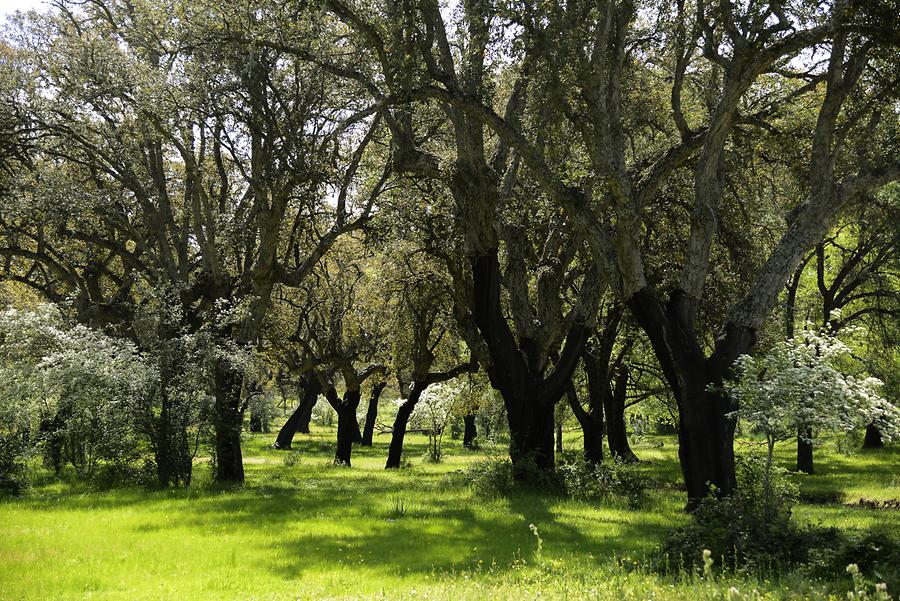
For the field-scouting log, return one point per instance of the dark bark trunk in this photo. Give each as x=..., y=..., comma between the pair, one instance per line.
x=469, y=431
x=345, y=436
x=805, y=450
x=305, y=417
x=529, y=396
x=229, y=418
x=873, y=438
x=559, y=436
x=531, y=435
x=348, y=427
x=372, y=414
x=591, y=421
x=309, y=393
x=174, y=461
x=256, y=423
x=593, y=441
x=616, y=429
x=705, y=432
x=395, y=452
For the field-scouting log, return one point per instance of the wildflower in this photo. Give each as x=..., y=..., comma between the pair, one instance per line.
x=853, y=569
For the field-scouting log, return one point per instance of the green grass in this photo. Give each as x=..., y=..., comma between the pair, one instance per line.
x=311, y=531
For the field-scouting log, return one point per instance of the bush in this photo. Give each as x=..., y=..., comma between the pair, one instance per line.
x=875, y=552
x=110, y=475
x=574, y=478
x=605, y=482
x=751, y=529
x=490, y=478
x=13, y=452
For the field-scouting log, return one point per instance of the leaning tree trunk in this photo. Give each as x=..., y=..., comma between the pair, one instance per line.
x=372, y=414
x=805, y=450
x=309, y=393
x=873, y=438
x=469, y=431
x=305, y=417
x=228, y=421
x=395, y=452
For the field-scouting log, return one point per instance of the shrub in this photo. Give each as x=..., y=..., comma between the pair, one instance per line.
x=751, y=529
x=875, y=552
x=605, y=482
x=574, y=478
x=13, y=452
x=110, y=475
x=490, y=478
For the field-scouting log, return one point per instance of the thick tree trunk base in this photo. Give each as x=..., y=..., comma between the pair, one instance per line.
x=532, y=441
x=469, y=431
x=228, y=423
x=873, y=438
x=805, y=451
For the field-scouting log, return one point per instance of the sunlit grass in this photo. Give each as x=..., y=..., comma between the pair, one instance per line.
x=309, y=530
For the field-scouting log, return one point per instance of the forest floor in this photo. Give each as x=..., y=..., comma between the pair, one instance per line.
x=305, y=530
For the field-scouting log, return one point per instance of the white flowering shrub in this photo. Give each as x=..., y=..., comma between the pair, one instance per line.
x=432, y=413
x=800, y=383
x=69, y=389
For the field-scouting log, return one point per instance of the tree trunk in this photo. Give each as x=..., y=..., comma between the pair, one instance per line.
x=305, y=417
x=357, y=432
x=395, y=452
x=805, y=450
x=873, y=438
x=591, y=422
x=228, y=420
x=348, y=427
x=256, y=423
x=531, y=435
x=309, y=393
x=593, y=441
x=705, y=430
x=706, y=440
x=469, y=431
x=172, y=453
x=616, y=430
x=372, y=414
x=528, y=396
x=559, y=436
x=345, y=435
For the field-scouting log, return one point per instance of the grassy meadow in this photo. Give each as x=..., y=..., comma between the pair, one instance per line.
x=301, y=529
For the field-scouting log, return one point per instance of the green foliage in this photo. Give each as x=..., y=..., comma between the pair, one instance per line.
x=875, y=552
x=751, y=529
x=490, y=478
x=69, y=391
x=13, y=455
x=608, y=482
